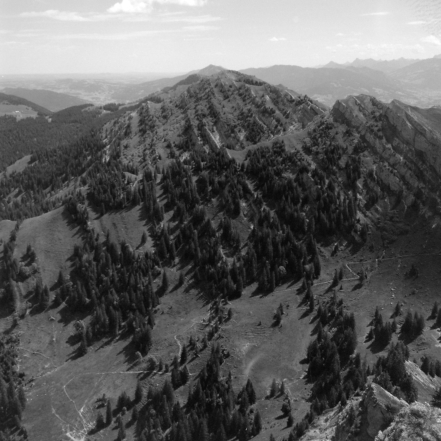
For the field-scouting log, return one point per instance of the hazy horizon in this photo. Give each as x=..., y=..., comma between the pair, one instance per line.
x=177, y=36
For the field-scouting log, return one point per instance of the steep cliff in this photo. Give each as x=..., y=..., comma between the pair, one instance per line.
x=405, y=141
x=415, y=422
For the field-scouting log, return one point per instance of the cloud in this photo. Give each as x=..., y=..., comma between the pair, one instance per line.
x=376, y=14
x=432, y=40
x=129, y=11
x=417, y=23
x=130, y=6
x=112, y=36
x=188, y=18
x=201, y=28
x=143, y=6
x=275, y=39
x=340, y=34
x=57, y=15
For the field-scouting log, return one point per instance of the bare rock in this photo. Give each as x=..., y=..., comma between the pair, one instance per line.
x=418, y=421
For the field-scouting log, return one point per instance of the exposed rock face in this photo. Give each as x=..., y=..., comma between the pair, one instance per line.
x=380, y=407
x=380, y=416
x=415, y=422
x=361, y=419
x=425, y=384
x=404, y=138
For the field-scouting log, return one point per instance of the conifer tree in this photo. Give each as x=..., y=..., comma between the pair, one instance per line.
x=138, y=392
x=108, y=413
x=183, y=358
x=165, y=282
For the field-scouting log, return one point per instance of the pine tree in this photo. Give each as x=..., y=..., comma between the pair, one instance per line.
x=135, y=414
x=257, y=422
x=272, y=282
x=311, y=303
x=165, y=282
x=408, y=326
x=203, y=431
x=317, y=266
x=274, y=388
x=122, y=433
x=143, y=238
x=435, y=308
x=108, y=413
x=183, y=358
x=138, y=392
x=436, y=399
x=181, y=278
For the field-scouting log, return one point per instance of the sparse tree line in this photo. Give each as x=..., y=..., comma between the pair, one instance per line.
x=212, y=411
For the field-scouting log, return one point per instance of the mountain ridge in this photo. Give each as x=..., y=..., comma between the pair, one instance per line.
x=233, y=256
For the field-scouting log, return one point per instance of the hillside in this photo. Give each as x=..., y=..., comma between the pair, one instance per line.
x=24, y=136
x=48, y=99
x=13, y=100
x=423, y=79
x=224, y=259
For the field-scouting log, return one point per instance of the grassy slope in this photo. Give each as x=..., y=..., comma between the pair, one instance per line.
x=17, y=166
x=125, y=225
x=257, y=349
x=53, y=237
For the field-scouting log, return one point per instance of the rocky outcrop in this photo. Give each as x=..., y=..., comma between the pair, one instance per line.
x=405, y=140
x=425, y=384
x=380, y=408
x=415, y=422
x=373, y=413
x=361, y=419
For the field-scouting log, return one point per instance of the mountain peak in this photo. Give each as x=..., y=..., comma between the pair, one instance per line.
x=211, y=70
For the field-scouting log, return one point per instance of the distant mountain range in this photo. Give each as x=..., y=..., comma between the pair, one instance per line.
x=54, y=101
x=382, y=65
x=416, y=82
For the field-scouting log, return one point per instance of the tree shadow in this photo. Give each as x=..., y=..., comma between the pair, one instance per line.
x=128, y=351
x=107, y=342
x=316, y=327
x=359, y=285
x=75, y=354
x=305, y=314
x=281, y=417
x=72, y=224
x=375, y=347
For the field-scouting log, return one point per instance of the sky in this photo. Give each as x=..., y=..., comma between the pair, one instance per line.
x=118, y=36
